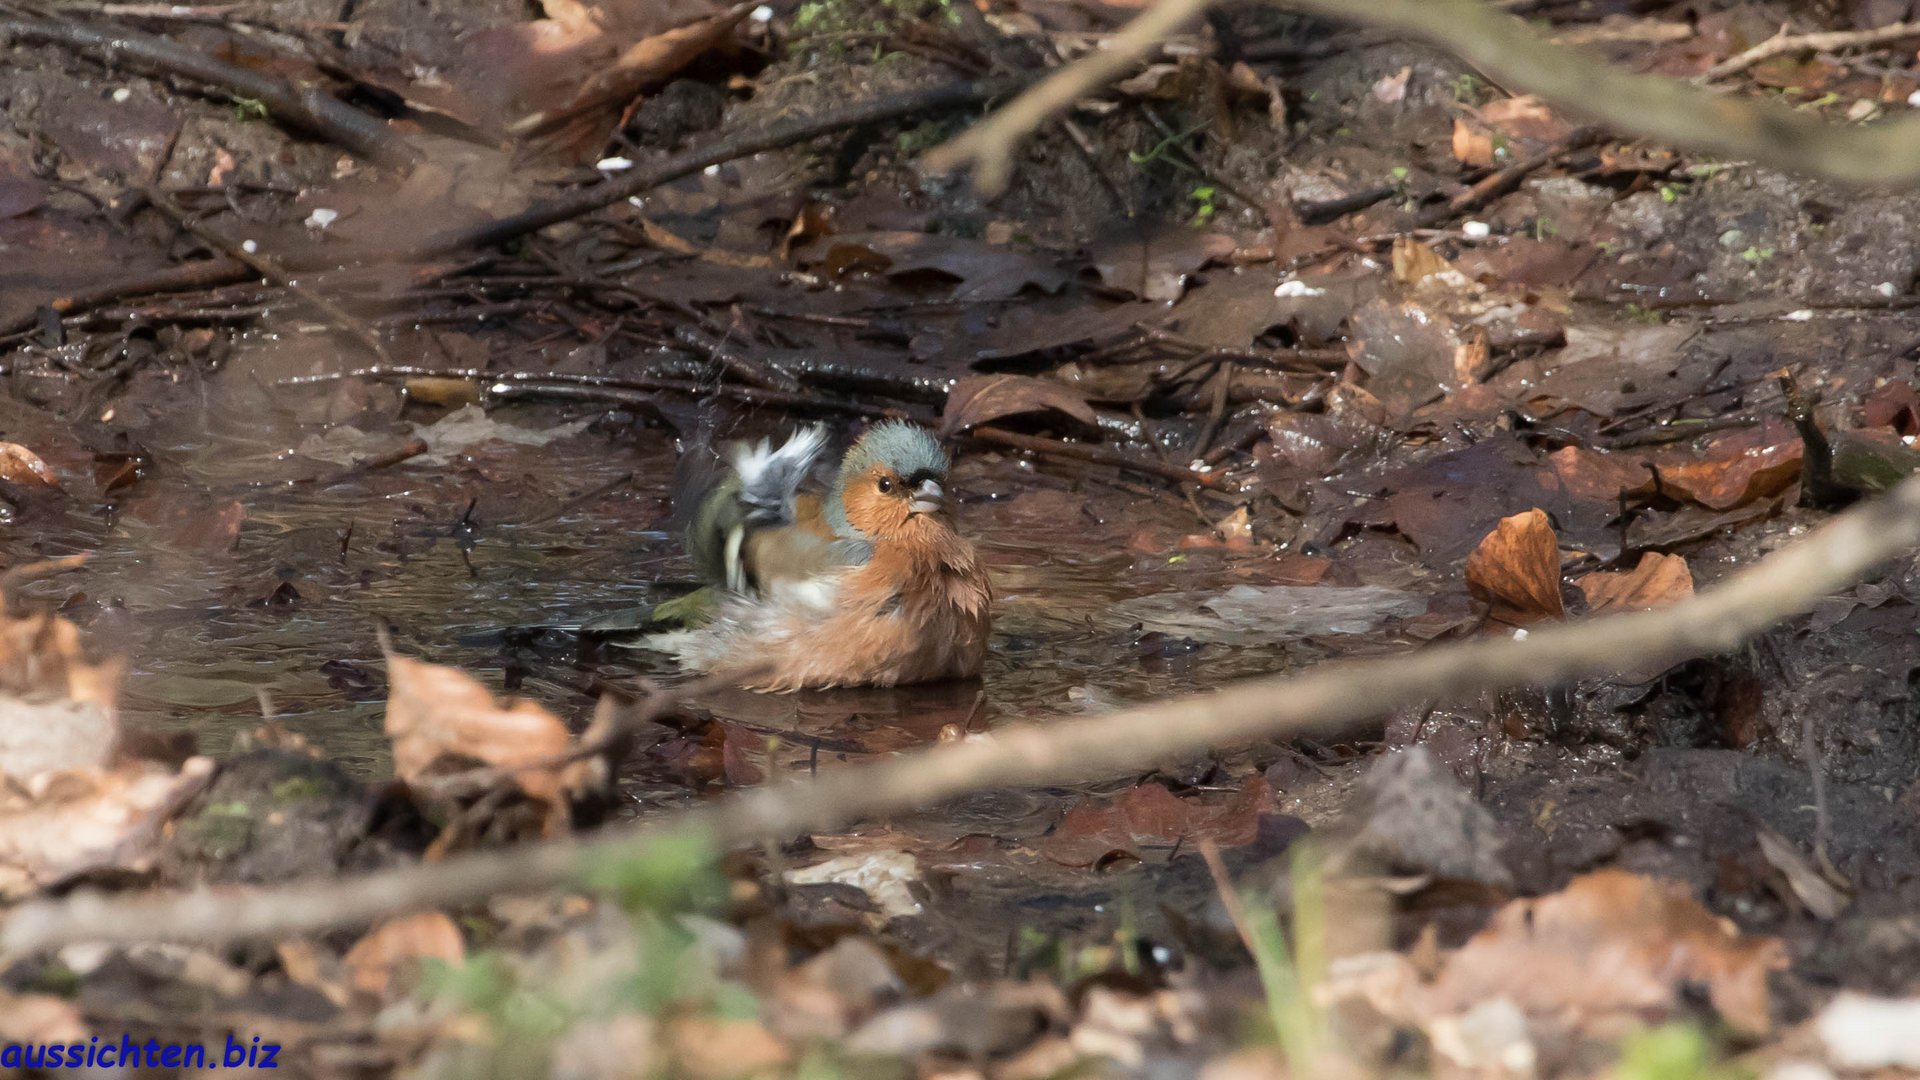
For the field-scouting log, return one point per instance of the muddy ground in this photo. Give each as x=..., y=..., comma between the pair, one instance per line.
x=1318, y=373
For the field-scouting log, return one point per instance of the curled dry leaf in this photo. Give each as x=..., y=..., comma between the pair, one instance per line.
x=76, y=819
x=1611, y=945
x=1517, y=570
x=22, y=466
x=440, y=718
x=58, y=707
x=982, y=399
x=392, y=946
x=1657, y=581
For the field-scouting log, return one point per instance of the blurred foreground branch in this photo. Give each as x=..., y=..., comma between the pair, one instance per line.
x=1328, y=699
x=1514, y=55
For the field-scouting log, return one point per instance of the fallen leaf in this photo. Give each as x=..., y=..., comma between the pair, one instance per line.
x=1149, y=815
x=1414, y=261
x=1471, y=145
x=1525, y=117
x=1516, y=569
x=1611, y=945
x=442, y=719
x=72, y=820
x=393, y=946
x=60, y=708
x=885, y=876
x=1735, y=469
x=712, y=1048
x=20, y=465
x=982, y=399
x=1657, y=581
x=978, y=271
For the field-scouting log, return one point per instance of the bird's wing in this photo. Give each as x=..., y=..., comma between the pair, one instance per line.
x=754, y=526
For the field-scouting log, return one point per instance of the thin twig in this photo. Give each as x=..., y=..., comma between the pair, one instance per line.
x=309, y=108
x=988, y=147
x=1328, y=699
x=644, y=178
x=268, y=268
x=1099, y=455
x=1784, y=42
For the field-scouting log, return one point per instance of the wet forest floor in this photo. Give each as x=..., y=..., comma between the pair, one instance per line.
x=1286, y=349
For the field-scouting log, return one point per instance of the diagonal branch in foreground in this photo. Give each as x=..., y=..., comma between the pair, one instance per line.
x=1514, y=55
x=1328, y=699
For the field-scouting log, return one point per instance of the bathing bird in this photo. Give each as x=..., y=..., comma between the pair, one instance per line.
x=869, y=584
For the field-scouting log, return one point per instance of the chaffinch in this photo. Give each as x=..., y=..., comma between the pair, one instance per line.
x=867, y=586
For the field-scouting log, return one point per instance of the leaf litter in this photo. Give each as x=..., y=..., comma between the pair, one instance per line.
x=1421, y=434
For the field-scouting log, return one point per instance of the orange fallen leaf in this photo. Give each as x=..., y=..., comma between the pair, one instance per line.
x=1657, y=581
x=1611, y=945
x=439, y=717
x=1735, y=469
x=1516, y=569
x=1471, y=146
x=398, y=943
x=20, y=465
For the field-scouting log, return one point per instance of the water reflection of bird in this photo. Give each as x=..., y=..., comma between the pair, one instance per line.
x=868, y=585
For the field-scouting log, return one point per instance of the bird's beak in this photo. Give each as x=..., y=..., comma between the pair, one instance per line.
x=928, y=498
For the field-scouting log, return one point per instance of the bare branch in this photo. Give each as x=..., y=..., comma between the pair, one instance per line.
x=1513, y=55
x=1784, y=42
x=1328, y=699
x=989, y=145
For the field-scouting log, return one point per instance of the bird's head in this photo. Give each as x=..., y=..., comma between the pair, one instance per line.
x=891, y=483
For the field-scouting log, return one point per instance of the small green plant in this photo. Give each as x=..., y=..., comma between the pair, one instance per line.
x=1204, y=207
x=1756, y=255
x=1640, y=313
x=1674, y=1052
x=246, y=108
x=1671, y=193
x=1468, y=89
x=1288, y=971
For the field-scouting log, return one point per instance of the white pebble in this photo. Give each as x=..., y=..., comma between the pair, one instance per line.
x=1886, y=289
x=1519, y=635
x=1476, y=230
x=763, y=13
x=711, y=170
x=613, y=164
x=1297, y=288
x=1803, y=315
x=322, y=217
x=1913, y=99
x=249, y=247
x=122, y=94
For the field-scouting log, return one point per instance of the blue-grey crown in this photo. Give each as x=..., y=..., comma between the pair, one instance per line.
x=903, y=447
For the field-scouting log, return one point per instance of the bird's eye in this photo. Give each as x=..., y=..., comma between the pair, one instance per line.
x=886, y=485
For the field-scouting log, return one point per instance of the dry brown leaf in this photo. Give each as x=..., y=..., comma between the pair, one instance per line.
x=439, y=717
x=393, y=945
x=1735, y=469
x=982, y=399
x=1516, y=569
x=1611, y=945
x=1657, y=581
x=666, y=240
x=707, y=1048
x=1414, y=261
x=20, y=465
x=62, y=822
x=1525, y=117
x=61, y=709
x=647, y=62
x=1471, y=146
